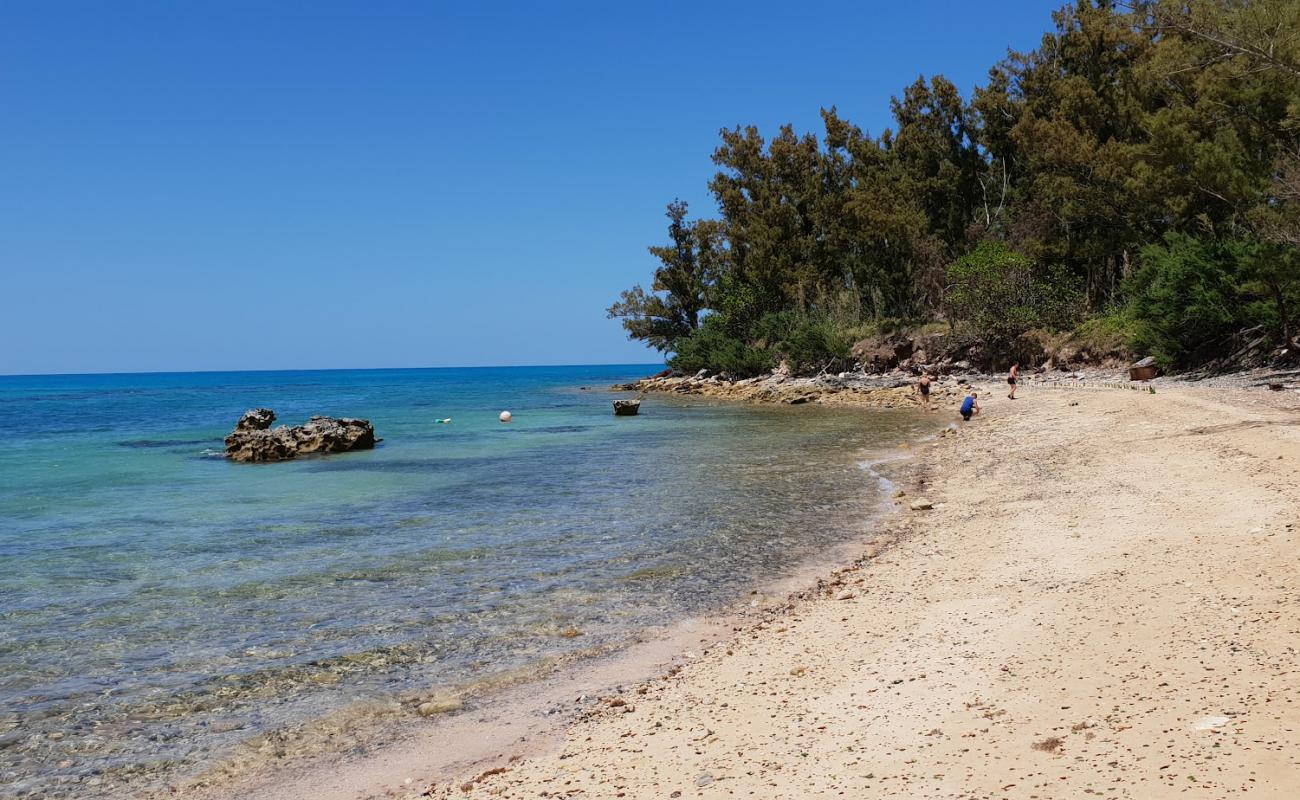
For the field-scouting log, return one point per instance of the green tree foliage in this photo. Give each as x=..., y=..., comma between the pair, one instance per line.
x=714, y=347
x=679, y=294
x=1061, y=177
x=1002, y=294
x=1277, y=270
x=1186, y=295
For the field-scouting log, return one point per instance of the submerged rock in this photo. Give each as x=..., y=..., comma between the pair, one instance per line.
x=253, y=438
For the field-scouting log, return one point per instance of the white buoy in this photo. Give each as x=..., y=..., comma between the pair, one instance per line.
x=505, y=416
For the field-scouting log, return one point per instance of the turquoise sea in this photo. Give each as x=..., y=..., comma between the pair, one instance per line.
x=161, y=607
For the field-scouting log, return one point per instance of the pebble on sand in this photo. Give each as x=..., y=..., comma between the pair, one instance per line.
x=439, y=705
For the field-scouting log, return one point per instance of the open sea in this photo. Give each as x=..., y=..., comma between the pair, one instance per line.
x=162, y=608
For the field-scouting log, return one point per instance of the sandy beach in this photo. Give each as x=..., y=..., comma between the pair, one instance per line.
x=1101, y=602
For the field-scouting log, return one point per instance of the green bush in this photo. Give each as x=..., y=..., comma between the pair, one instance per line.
x=809, y=341
x=1001, y=294
x=1185, y=298
x=1114, y=334
x=715, y=348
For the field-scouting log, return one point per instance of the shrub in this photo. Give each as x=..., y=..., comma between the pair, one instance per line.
x=1109, y=336
x=1001, y=294
x=713, y=347
x=1184, y=297
x=808, y=341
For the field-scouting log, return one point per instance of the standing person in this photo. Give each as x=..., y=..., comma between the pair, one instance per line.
x=923, y=386
x=970, y=406
x=1011, y=379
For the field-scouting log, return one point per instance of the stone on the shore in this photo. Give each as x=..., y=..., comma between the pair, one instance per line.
x=253, y=438
x=439, y=705
x=921, y=504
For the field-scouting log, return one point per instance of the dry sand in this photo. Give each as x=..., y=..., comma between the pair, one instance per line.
x=1102, y=603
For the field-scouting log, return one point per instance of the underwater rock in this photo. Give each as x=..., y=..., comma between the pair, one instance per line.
x=253, y=438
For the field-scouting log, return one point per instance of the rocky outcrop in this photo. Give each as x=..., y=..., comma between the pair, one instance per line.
x=253, y=438
x=895, y=390
x=627, y=408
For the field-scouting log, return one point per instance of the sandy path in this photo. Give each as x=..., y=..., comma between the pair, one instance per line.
x=1103, y=603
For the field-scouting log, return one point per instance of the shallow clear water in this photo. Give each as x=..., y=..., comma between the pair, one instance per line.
x=159, y=605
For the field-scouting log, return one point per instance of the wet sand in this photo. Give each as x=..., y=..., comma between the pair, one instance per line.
x=1102, y=602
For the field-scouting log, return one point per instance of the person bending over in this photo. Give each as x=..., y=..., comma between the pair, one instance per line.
x=970, y=406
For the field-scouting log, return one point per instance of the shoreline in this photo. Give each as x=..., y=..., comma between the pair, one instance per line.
x=520, y=746
x=524, y=713
x=530, y=716
x=1104, y=610
x=891, y=390
x=897, y=388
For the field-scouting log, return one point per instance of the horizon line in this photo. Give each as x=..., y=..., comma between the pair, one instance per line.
x=317, y=369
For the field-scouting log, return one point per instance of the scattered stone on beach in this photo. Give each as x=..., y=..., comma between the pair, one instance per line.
x=921, y=504
x=439, y=705
x=253, y=438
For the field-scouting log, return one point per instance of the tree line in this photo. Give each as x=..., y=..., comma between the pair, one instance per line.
x=1138, y=171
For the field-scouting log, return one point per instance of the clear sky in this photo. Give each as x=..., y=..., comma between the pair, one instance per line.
x=251, y=185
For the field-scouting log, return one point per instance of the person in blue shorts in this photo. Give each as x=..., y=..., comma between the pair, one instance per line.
x=970, y=406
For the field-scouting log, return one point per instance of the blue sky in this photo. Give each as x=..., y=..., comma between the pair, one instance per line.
x=250, y=185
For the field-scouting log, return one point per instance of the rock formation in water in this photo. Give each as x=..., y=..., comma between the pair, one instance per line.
x=253, y=438
x=627, y=408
